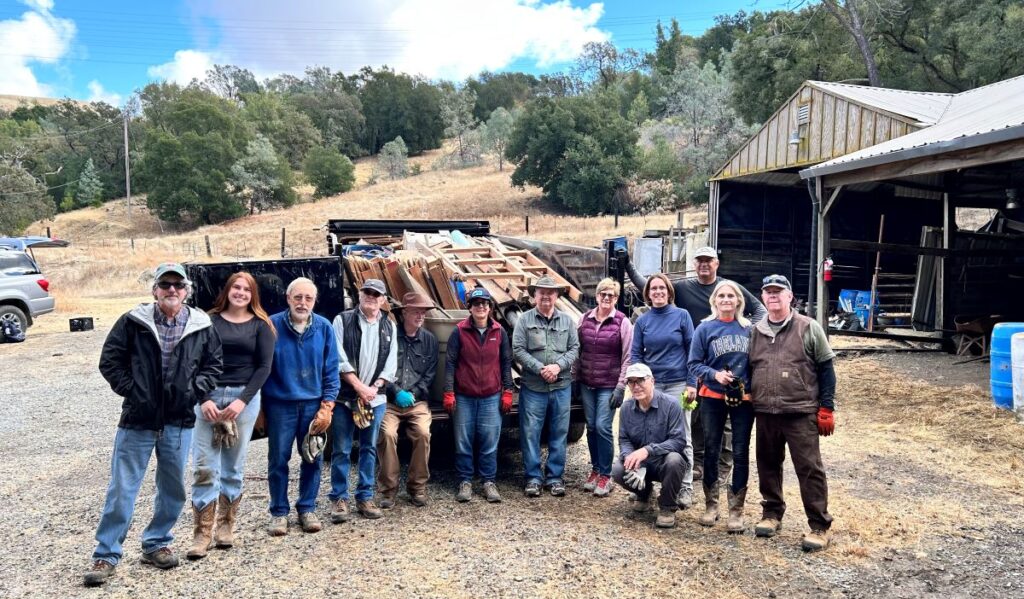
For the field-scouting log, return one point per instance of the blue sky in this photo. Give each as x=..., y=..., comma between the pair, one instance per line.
x=104, y=50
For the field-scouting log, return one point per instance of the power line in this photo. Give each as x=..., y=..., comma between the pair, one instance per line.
x=109, y=123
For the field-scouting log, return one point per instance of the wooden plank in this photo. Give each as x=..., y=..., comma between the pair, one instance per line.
x=853, y=128
x=771, y=140
x=867, y=129
x=814, y=132
x=839, y=138
x=828, y=125
x=443, y=286
x=782, y=140
x=882, y=127
x=479, y=261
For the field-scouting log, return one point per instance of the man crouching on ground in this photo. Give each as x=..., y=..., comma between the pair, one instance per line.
x=652, y=441
x=162, y=358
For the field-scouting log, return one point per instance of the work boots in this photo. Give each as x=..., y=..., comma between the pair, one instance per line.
x=710, y=515
x=202, y=535
x=735, y=523
x=227, y=511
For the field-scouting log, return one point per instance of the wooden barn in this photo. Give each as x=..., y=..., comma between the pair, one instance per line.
x=872, y=177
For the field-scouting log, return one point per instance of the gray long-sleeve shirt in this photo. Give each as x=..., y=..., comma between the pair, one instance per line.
x=368, y=347
x=660, y=429
x=538, y=341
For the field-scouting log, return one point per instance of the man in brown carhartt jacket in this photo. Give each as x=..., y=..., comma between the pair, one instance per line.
x=793, y=389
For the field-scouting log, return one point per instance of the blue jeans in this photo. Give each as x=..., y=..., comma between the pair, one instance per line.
x=342, y=427
x=132, y=450
x=477, y=423
x=287, y=424
x=599, y=427
x=713, y=413
x=219, y=470
x=674, y=390
x=534, y=408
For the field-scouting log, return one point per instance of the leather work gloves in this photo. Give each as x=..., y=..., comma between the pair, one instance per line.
x=449, y=402
x=506, y=401
x=636, y=479
x=404, y=399
x=615, y=401
x=362, y=416
x=225, y=434
x=826, y=422
x=322, y=421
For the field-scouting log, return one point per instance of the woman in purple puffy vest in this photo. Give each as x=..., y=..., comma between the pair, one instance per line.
x=605, y=339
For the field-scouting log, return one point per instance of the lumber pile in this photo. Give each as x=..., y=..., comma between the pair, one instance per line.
x=436, y=264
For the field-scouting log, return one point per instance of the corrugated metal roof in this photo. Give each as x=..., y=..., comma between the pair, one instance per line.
x=998, y=107
x=925, y=107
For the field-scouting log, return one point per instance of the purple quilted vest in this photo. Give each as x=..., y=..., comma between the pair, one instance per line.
x=601, y=351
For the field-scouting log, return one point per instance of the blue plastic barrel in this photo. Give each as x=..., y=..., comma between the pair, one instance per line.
x=848, y=300
x=1002, y=363
x=864, y=299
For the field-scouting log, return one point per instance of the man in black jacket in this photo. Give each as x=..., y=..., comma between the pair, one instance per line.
x=162, y=358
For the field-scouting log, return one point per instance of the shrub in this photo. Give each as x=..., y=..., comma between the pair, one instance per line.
x=328, y=172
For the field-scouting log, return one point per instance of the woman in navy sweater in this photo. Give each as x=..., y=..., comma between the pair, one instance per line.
x=661, y=340
x=719, y=360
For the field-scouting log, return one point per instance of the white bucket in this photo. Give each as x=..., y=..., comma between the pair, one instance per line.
x=1017, y=359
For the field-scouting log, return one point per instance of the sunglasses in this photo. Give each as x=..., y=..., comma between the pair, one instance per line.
x=165, y=285
x=480, y=304
x=371, y=293
x=606, y=295
x=775, y=280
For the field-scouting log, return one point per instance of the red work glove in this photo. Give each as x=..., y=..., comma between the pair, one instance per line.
x=506, y=401
x=449, y=402
x=826, y=423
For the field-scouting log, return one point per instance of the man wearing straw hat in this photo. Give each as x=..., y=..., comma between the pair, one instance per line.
x=545, y=344
x=407, y=402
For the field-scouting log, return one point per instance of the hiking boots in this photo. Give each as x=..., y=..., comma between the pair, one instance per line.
x=767, y=527
x=465, y=492
x=278, y=526
x=666, y=519
x=369, y=510
x=310, y=522
x=735, y=522
x=98, y=573
x=711, y=496
x=642, y=504
x=224, y=530
x=386, y=503
x=558, y=489
x=603, y=487
x=339, y=511
x=591, y=483
x=419, y=499
x=162, y=558
x=816, y=540
x=491, y=492
x=685, y=498
x=532, y=489
x=202, y=533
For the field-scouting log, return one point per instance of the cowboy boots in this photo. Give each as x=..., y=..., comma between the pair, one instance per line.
x=201, y=535
x=735, y=521
x=227, y=510
x=710, y=515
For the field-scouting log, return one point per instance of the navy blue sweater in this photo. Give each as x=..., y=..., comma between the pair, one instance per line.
x=661, y=340
x=717, y=344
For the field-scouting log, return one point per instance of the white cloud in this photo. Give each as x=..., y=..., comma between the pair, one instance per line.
x=186, y=66
x=98, y=94
x=436, y=38
x=37, y=37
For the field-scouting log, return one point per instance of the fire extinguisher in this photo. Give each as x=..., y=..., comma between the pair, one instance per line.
x=826, y=269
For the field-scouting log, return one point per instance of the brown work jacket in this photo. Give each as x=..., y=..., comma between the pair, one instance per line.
x=784, y=379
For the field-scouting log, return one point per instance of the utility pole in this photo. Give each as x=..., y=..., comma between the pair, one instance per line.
x=127, y=166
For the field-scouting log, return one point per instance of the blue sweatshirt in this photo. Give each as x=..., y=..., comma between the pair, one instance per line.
x=305, y=367
x=661, y=340
x=717, y=344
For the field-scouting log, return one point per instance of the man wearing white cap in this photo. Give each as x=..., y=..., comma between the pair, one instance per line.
x=652, y=444
x=162, y=358
x=694, y=295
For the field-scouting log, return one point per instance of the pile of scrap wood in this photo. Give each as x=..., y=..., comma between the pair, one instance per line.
x=435, y=265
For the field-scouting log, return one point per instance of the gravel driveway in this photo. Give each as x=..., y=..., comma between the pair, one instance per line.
x=57, y=423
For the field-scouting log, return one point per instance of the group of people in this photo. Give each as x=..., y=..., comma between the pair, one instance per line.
x=201, y=382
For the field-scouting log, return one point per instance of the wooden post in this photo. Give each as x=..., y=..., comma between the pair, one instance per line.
x=824, y=242
x=133, y=244
x=527, y=224
x=874, y=278
x=282, y=242
x=208, y=251
x=48, y=232
x=942, y=315
x=616, y=217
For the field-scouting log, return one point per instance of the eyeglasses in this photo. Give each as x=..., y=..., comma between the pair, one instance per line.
x=607, y=295
x=371, y=293
x=165, y=285
x=308, y=299
x=636, y=381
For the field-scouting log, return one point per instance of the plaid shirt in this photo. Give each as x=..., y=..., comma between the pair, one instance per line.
x=171, y=330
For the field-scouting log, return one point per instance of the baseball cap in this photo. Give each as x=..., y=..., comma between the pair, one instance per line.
x=776, y=281
x=374, y=285
x=706, y=252
x=169, y=268
x=637, y=371
x=479, y=293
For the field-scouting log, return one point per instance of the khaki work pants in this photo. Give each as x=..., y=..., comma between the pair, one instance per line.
x=417, y=420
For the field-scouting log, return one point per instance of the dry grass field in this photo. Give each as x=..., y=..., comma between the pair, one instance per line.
x=100, y=273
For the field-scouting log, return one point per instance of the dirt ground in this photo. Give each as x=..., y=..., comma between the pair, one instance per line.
x=925, y=480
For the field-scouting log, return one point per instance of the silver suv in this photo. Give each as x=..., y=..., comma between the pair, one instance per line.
x=24, y=291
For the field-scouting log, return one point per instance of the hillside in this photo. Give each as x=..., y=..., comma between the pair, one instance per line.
x=101, y=274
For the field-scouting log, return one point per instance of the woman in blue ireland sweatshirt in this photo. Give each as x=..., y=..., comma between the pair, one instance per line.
x=661, y=340
x=719, y=360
